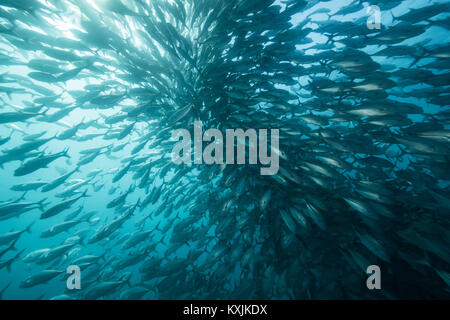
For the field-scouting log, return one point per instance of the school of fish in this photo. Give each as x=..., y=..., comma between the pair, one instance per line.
x=90, y=92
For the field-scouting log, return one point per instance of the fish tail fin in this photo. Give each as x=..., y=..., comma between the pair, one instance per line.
x=65, y=152
x=414, y=62
x=127, y=281
x=83, y=243
x=392, y=136
x=8, y=265
x=17, y=256
x=103, y=256
x=85, y=195
x=13, y=245
x=157, y=226
x=330, y=39
x=22, y=196
x=4, y=289
x=312, y=85
x=164, y=240
x=41, y=204
x=28, y=229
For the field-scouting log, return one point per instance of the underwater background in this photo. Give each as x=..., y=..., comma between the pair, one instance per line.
x=90, y=92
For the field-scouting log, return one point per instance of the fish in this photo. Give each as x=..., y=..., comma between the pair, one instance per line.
x=35, y=255
x=102, y=289
x=60, y=227
x=13, y=235
x=35, y=136
x=39, y=162
x=16, y=208
x=61, y=206
x=136, y=238
x=54, y=253
x=40, y=278
x=35, y=185
x=9, y=247
x=8, y=117
x=26, y=147
x=120, y=199
x=7, y=263
x=6, y=139
x=109, y=228
x=3, y=290
x=58, y=181
x=88, y=259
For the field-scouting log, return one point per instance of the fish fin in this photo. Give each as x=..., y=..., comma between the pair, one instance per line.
x=21, y=197
x=8, y=265
x=19, y=253
x=27, y=230
x=103, y=256
x=157, y=226
x=4, y=289
x=65, y=152
x=13, y=246
x=127, y=281
x=41, y=204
